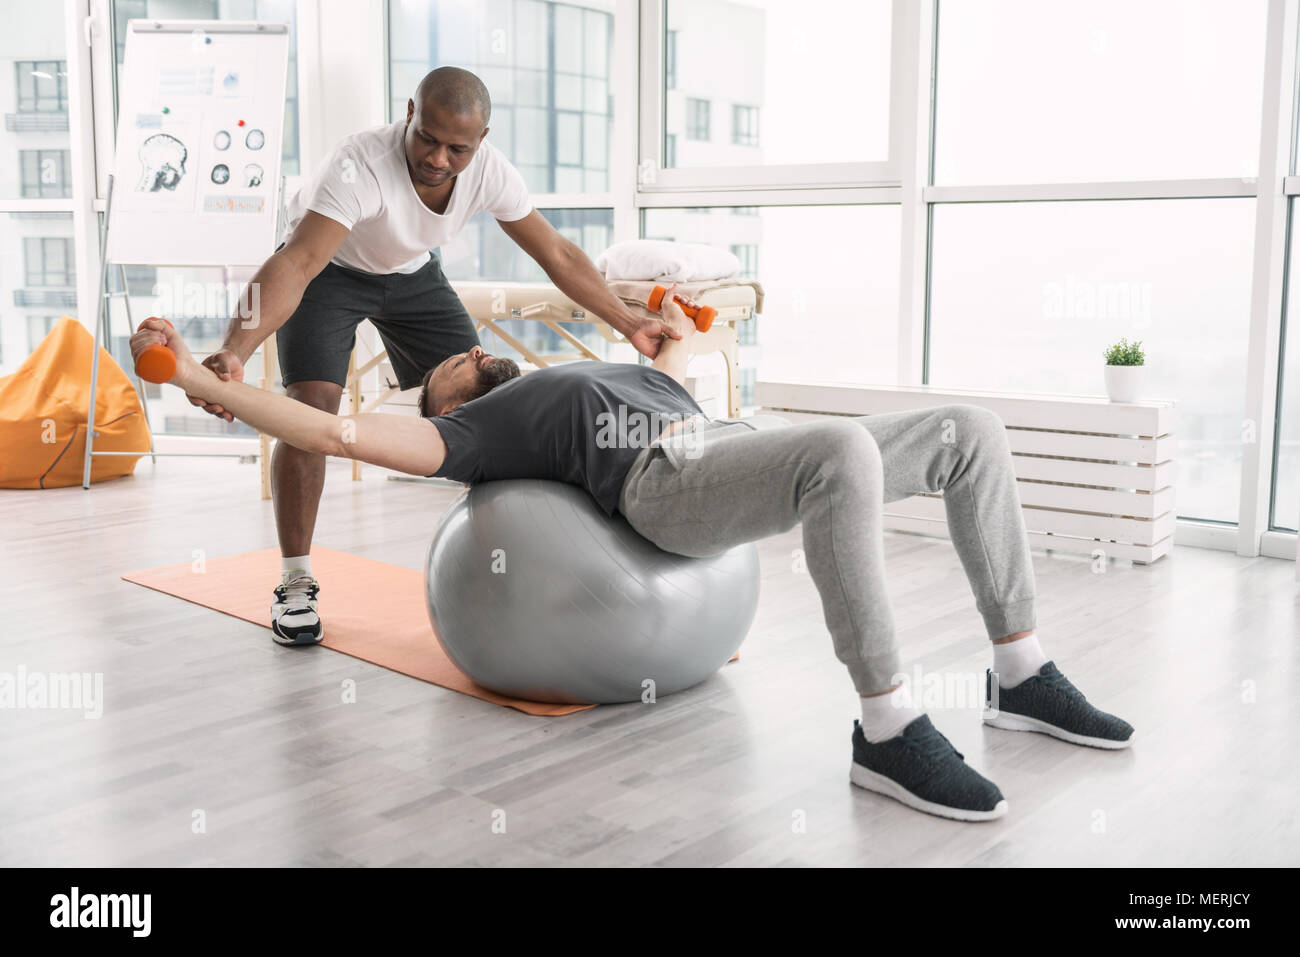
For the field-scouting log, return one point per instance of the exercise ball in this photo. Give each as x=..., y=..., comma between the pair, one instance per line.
x=534, y=593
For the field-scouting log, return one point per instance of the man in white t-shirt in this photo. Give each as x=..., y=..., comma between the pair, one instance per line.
x=358, y=247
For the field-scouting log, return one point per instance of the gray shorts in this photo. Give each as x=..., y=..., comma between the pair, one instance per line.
x=419, y=317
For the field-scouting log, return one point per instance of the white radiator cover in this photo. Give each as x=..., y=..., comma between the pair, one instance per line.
x=1094, y=475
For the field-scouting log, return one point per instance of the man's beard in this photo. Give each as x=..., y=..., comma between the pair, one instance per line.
x=491, y=374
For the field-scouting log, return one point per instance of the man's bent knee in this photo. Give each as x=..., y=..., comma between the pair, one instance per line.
x=966, y=421
x=317, y=393
x=845, y=443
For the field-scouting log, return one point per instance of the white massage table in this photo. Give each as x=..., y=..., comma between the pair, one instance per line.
x=489, y=303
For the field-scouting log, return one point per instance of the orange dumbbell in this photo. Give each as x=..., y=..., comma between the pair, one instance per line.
x=156, y=363
x=703, y=316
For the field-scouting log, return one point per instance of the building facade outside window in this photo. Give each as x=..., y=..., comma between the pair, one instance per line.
x=48, y=261
x=38, y=327
x=697, y=119
x=670, y=60
x=42, y=86
x=747, y=253
x=744, y=125
x=44, y=174
x=747, y=332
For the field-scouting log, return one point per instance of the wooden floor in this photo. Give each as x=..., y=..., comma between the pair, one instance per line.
x=206, y=719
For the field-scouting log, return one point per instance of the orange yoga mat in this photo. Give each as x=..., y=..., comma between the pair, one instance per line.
x=372, y=611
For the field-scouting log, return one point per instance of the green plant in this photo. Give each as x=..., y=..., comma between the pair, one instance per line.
x=1124, y=353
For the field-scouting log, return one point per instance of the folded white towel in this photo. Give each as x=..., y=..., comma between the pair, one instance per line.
x=667, y=261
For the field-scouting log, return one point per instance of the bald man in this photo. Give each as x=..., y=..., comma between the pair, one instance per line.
x=358, y=247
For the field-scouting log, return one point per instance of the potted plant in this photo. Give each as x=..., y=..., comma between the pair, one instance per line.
x=1125, y=371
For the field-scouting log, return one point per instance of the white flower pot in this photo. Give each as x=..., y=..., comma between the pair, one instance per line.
x=1124, y=383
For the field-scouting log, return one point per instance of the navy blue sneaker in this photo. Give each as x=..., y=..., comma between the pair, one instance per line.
x=1048, y=703
x=921, y=768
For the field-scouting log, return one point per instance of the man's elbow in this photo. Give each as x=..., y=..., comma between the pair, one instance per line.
x=575, y=254
x=559, y=260
x=296, y=267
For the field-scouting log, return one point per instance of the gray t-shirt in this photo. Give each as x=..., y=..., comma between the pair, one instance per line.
x=583, y=423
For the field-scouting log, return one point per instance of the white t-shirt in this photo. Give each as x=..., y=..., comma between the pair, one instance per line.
x=365, y=185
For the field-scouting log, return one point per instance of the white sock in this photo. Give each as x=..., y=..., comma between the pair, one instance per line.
x=292, y=567
x=886, y=715
x=1014, y=661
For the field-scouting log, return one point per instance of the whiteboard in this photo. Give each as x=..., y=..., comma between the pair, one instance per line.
x=199, y=130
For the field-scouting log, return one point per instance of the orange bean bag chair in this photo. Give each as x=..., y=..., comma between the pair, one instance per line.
x=43, y=410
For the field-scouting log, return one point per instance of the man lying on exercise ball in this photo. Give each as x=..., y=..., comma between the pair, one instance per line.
x=737, y=481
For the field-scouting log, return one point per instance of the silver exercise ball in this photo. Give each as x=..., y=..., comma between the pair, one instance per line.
x=534, y=593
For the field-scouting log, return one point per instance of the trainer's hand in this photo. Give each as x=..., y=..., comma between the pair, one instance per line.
x=227, y=366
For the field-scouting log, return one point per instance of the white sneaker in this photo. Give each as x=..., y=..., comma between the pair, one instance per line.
x=293, y=613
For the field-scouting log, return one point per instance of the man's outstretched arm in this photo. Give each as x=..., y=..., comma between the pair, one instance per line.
x=403, y=443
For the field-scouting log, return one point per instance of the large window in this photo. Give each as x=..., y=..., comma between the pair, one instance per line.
x=37, y=253
x=34, y=99
x=1026, y=296
x=547, y=67
x=1034, y=92
x=278, y=11
x=819, y=70
x=37, y=278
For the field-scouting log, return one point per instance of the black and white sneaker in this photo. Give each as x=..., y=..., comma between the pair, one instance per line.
x=293, y=613
x=921, y=768
x=1048, y=703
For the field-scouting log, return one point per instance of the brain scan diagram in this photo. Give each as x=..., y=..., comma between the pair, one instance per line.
x=220, y=173
x=162, y=163
x=253, y=175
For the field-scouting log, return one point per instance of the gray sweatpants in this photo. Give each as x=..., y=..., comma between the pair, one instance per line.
x=735, y=481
